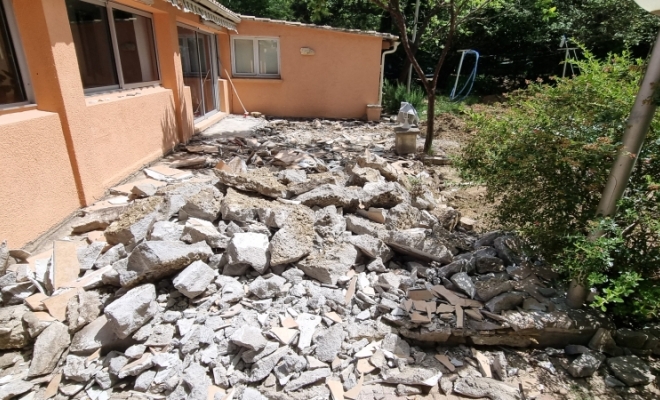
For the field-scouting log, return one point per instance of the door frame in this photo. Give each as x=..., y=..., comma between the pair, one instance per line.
x=214, y=70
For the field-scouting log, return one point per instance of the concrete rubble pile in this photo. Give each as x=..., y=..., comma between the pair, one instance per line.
x=237, y=283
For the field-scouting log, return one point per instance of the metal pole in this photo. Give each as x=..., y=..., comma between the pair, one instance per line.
x=458, y=73
x=633, y=138
x=414, y=36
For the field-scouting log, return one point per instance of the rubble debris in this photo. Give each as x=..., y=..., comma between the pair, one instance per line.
x=630, y=370
x=304, y=282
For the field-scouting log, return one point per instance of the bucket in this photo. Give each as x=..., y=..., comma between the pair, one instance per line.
x=406, y=141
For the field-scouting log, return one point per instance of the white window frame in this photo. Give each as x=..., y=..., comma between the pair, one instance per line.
x=255, y=49
x=115, y=48
x=20, y=56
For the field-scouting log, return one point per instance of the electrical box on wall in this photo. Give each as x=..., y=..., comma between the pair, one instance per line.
x=307, y=51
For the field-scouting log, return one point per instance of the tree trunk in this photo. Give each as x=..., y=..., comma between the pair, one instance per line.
x=430, y=117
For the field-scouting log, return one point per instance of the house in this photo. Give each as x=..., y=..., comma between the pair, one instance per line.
x=91, y=90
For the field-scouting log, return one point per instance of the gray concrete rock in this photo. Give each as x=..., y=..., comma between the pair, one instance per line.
x=14, y=389
x=504, y=301
x=486, y=290
x=328, y=222
x=585, y=365
x=134, y=224
x=262, y=368
x=113, y=255
x=76, y=370
x=372, y=247
x=231, y=289
x=95, y=220
x=463, y=282
x=36, y=324
x=166, y=231
x=132, y=310
x=274, y=217
x=194, y=279
x=199, y=230
x=12, y=333
x=259, y=180
x=419, y=243
x=195, y=378
x=98, y=334
x=161, y=335
x=307, y=378
x=376, y=265
x=329, y=343
x=507, y=248
x=294, y=240
x=384, y=194
x=87, y=255
x=16, y=294
x=4, y=257
x=48, y=348
x=204, y=205
x=249, y=249
x=287, y=176
x=363, y=226
x=395, y=345
x=603, y=342
x=144, y=380
x=369, y=160
x=329, y=264
x=155, y=260
x=82, y=309
x=332, y=195
x=267, y=288
x=249, y=337
x=251, y=393
x=485, y=387
x=489, y=264
x=631, y=339
x=631, y=370
x=358, y=176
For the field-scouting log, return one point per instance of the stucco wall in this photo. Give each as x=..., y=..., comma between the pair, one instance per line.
x=124, y=133
x=337, y=82
x=38, y=189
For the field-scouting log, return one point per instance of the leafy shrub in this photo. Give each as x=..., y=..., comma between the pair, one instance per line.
x=395, y=93
x=547, y=157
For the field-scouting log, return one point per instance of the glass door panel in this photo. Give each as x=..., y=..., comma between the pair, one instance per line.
x=199, y=64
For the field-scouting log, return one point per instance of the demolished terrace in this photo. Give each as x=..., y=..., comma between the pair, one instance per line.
x=308, y=275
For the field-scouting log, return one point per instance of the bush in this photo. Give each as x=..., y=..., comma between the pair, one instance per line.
x=547, y=157
x=395, y=93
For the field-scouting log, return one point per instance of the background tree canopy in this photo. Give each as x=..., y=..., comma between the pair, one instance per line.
x=519, y=39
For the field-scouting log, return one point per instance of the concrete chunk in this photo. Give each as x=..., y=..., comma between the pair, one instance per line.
x=48, y=348
x=194, y=279
x=158, y=259
x=295, y=240
x=249, y=249
x=132, y=310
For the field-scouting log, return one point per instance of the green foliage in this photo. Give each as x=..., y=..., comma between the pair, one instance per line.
x=395, y=93
x=547, y=156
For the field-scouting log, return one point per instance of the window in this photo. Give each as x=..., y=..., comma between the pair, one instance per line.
x=13, y=86
x=258, y=57
x=114, y=44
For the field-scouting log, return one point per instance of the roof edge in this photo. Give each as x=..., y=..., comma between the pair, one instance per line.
x=387, y=36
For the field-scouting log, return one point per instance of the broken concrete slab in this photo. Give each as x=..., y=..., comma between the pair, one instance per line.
x=259, y=180
x=585, y=365
x=331, y=195
x=194, y=279
x=330, y=264
x=12, y=334
x=132, y=310
x=631, y=370
x=157, y=259
x=294, y=240
x=204, y=205
x=48, y=348
x=250, y=249
x=134, y=224
x=485, y=387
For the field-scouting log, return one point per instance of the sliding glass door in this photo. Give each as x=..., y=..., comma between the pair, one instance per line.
x=199, y=59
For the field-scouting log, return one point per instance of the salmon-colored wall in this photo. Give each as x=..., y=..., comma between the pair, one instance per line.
x=38, y=189
x=124, y=133
x=338, y=81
